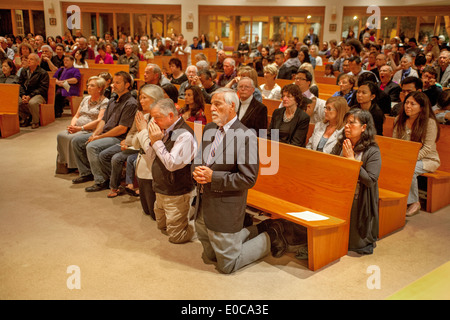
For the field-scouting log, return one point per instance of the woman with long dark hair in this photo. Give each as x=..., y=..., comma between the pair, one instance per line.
x=358, y=143
x=417, y=122
x=194, y=108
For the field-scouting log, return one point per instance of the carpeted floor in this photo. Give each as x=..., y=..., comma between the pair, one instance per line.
x=48, y=225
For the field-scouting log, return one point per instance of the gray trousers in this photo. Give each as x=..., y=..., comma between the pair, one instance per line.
x=88, y=156
x=414, y=190
x=32, y=107
x=232, y=251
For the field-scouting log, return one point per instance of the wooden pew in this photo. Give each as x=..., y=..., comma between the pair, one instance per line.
x=388, y=126
x=271, y=105
x=47, y=110
x=326, y=80
x=438, y=182
x=75, y=101
x=112, y=68
x=398, y=160
x=9, y=109
x=210, y=53
x=312, y=181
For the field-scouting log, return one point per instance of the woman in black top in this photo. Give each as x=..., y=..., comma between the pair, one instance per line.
x=358, y=143
x=366, y=98
x=290, y=123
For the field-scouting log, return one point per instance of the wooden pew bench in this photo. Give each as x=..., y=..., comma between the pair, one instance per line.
x=9, y=109
x=398, y=160
x=438, y=182
x=47, y=110
x=313, y=181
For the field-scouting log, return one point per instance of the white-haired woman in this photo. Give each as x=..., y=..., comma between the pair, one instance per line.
x=89, y=114
x=148, y=94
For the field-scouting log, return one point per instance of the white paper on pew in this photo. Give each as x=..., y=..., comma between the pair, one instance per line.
x=308, y=216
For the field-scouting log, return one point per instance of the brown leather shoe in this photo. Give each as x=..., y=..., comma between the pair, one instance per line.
x=34, y=125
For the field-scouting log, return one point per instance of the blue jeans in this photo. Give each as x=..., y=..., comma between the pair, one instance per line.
x=112, y=160
x=414, y=190
x=88, y=156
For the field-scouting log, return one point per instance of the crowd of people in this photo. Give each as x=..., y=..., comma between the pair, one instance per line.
x=117, y=123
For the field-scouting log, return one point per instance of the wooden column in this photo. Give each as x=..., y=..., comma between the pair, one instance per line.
x=115, y=25
x=30, y=17
x=97, y=22
x=13, y=21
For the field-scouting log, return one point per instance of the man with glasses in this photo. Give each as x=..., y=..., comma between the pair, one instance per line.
x=408, y=85
x=430, y=88
x=250, y=112
x=315, y=110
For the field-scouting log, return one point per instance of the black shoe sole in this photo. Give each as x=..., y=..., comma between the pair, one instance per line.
x=83, y=179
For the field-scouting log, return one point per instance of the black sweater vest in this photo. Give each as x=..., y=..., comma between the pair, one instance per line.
x=179, y=181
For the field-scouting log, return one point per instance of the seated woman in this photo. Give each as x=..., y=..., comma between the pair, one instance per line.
x=111, y=50
x=9, y=72
x=346, y=84
x=148, y=94
x=89, y=113
x=327, y=132
x=176, y=67
x=270, y=89
x=291, y=121
x=79, y=61
x=67, y=84
x=103, y=57
x=367, y=100
x=329, y=71
x=358, y=142
x=194, y=107
x=417, y=122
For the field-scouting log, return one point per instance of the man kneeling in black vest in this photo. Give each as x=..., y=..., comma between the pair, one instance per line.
x=174, y=146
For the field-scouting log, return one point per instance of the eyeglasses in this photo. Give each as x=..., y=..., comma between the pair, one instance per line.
x=329, y=109
x=352, y=123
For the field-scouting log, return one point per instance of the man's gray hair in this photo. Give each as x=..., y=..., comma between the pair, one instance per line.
x=192, y=67
x=36, y=56
x=408, y=57
x=230, y=61
x=156, y=68
x=48, y=47
x=229, y=96
x=166, y=106
x=248, y=79
x=202, y=64
x=153, y=91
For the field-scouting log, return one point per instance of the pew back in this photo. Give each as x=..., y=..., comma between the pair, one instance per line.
x=9, y=108
x=316, y=180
